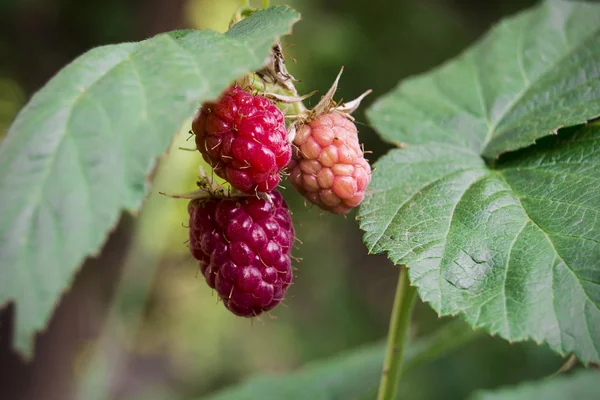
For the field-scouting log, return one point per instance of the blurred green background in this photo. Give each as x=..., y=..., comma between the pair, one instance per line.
x=138, y=322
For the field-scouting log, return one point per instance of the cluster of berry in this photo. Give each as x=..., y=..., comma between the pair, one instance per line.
x=243, y=241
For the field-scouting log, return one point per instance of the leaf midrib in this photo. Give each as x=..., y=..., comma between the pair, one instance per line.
x=505, y=276
x=549, y=238
x=531, y=85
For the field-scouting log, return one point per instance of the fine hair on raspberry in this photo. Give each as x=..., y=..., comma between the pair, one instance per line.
x=244, y=248
x=244, y=138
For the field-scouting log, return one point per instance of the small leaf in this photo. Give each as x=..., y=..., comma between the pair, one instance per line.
x=582, y=385
x=80, y=151
x=513, y=249
x=529, y=76
x=348, y=375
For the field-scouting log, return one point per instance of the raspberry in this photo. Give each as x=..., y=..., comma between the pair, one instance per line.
x=243, y=137
x=329, y=167
x=243, y=245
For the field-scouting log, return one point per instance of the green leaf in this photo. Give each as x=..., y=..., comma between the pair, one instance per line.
x=513, y=249
x=582, y=385
x=349, y=375
x=80, y=151
x=529, y=76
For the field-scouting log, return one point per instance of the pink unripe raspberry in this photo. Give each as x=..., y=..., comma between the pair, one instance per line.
x=244, y=246
x=243, y=137
x=328, y=167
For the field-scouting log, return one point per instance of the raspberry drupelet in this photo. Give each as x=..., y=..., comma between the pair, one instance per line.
x=243, y=137
x=329, y=167
x=244, y=246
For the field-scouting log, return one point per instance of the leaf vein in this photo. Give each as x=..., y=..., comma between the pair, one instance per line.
x=505, y=277
x=526, y=89
x=549, y=239
x=452, y=220
x=411, y=197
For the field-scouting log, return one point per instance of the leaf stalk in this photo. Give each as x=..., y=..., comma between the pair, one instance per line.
x=400, y=321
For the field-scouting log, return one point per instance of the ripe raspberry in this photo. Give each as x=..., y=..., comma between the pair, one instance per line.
x=243, y=137
x=243, y=245
x=329, y=167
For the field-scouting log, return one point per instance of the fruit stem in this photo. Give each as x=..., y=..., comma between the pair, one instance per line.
x=265, y=4
x=401, y=313
x=299, y=107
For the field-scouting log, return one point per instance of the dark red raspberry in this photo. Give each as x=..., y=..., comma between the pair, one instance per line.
x=244, y=246
x=243, y=137
x=329, y=167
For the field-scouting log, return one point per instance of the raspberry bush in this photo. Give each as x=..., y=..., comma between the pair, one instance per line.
x=487, y=201
x=243, y=249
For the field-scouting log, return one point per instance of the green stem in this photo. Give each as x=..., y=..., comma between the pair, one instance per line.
x=246, y=3
x=265, y=4
x=299, y=107
x=401, y=313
